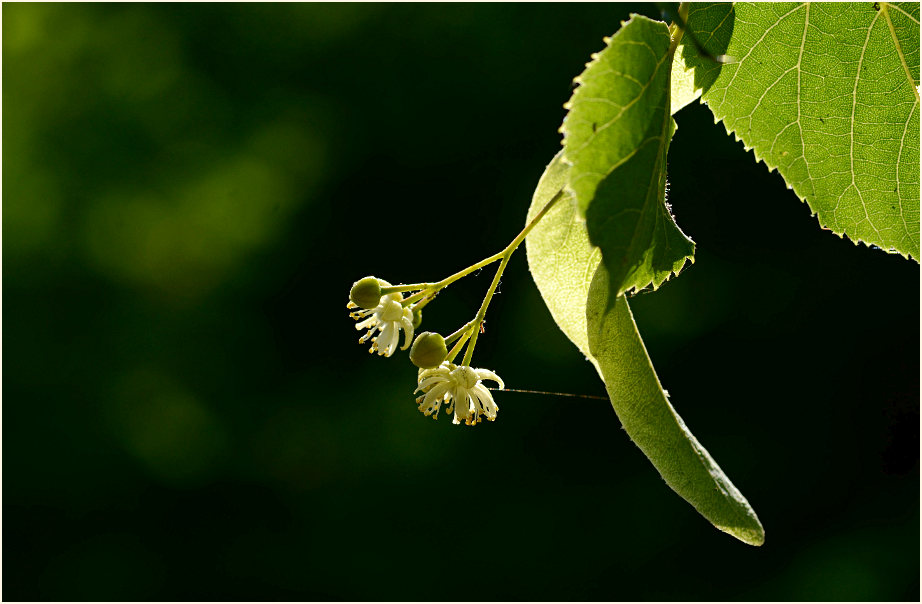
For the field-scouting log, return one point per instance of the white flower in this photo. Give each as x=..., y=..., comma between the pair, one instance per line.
x=388, y=317
x=459, y=386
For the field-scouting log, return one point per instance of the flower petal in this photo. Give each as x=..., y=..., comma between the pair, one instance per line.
x=407, y=330
x=427, y=383
x=475, y=407
x=486, y=374
x=462, y=406
x=394, y=339
x=369, y=322
x=430, y=406
x=424, y=373
x=433, y=399
x=388, y=334
x=487, y=403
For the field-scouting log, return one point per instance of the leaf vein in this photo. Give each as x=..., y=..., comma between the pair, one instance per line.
x=800, y=57
x=753, y=47
x=851, y=152
x=911, y=18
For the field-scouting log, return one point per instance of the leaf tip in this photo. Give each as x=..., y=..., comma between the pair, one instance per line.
x=747, y=528
x=754, y=536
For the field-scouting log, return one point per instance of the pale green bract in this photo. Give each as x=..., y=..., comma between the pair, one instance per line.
x=827, y=94
x=683, y=90
x=616, y=136
x=573, y=284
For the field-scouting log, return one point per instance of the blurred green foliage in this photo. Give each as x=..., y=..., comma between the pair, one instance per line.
x=189, y=192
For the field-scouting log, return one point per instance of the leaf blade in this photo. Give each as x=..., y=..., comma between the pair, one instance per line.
x=827, y=95
x=616, y=137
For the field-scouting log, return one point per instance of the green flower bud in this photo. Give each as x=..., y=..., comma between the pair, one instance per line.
x=417, y=318
x=428, y=350
x=366, y=293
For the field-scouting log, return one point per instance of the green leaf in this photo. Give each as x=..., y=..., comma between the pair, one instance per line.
x=827, y=94
x=616, y=136
x=684, y=90
x=574, y=285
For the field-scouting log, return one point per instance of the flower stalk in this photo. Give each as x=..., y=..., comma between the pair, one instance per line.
x=386, y=312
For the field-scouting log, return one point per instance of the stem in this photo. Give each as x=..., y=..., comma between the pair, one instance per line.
x=478, y=320
x=467, y=271
x=471, y=329
x=457, y=347
x=416, y=296
x=678, y=27
x=422, y=304
x=521, y=236
x=432, y=288
x=393, y=289
x=506, y=255
x=457, y=334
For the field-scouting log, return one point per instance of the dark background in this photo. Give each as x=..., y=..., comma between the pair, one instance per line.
x=189, y=192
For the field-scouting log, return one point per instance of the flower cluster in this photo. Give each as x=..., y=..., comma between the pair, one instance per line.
x=383, y=310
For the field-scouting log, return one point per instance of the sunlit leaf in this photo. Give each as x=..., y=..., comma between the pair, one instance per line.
x=827, y=94
x=616, y=136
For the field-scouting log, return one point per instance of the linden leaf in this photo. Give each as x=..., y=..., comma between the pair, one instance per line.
x=616, y=136
x=827, y=94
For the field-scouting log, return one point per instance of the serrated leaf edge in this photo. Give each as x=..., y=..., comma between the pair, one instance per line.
x=844, y=234
x=569, y=190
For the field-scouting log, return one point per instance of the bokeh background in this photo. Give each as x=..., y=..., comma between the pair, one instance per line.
x=189, y=192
